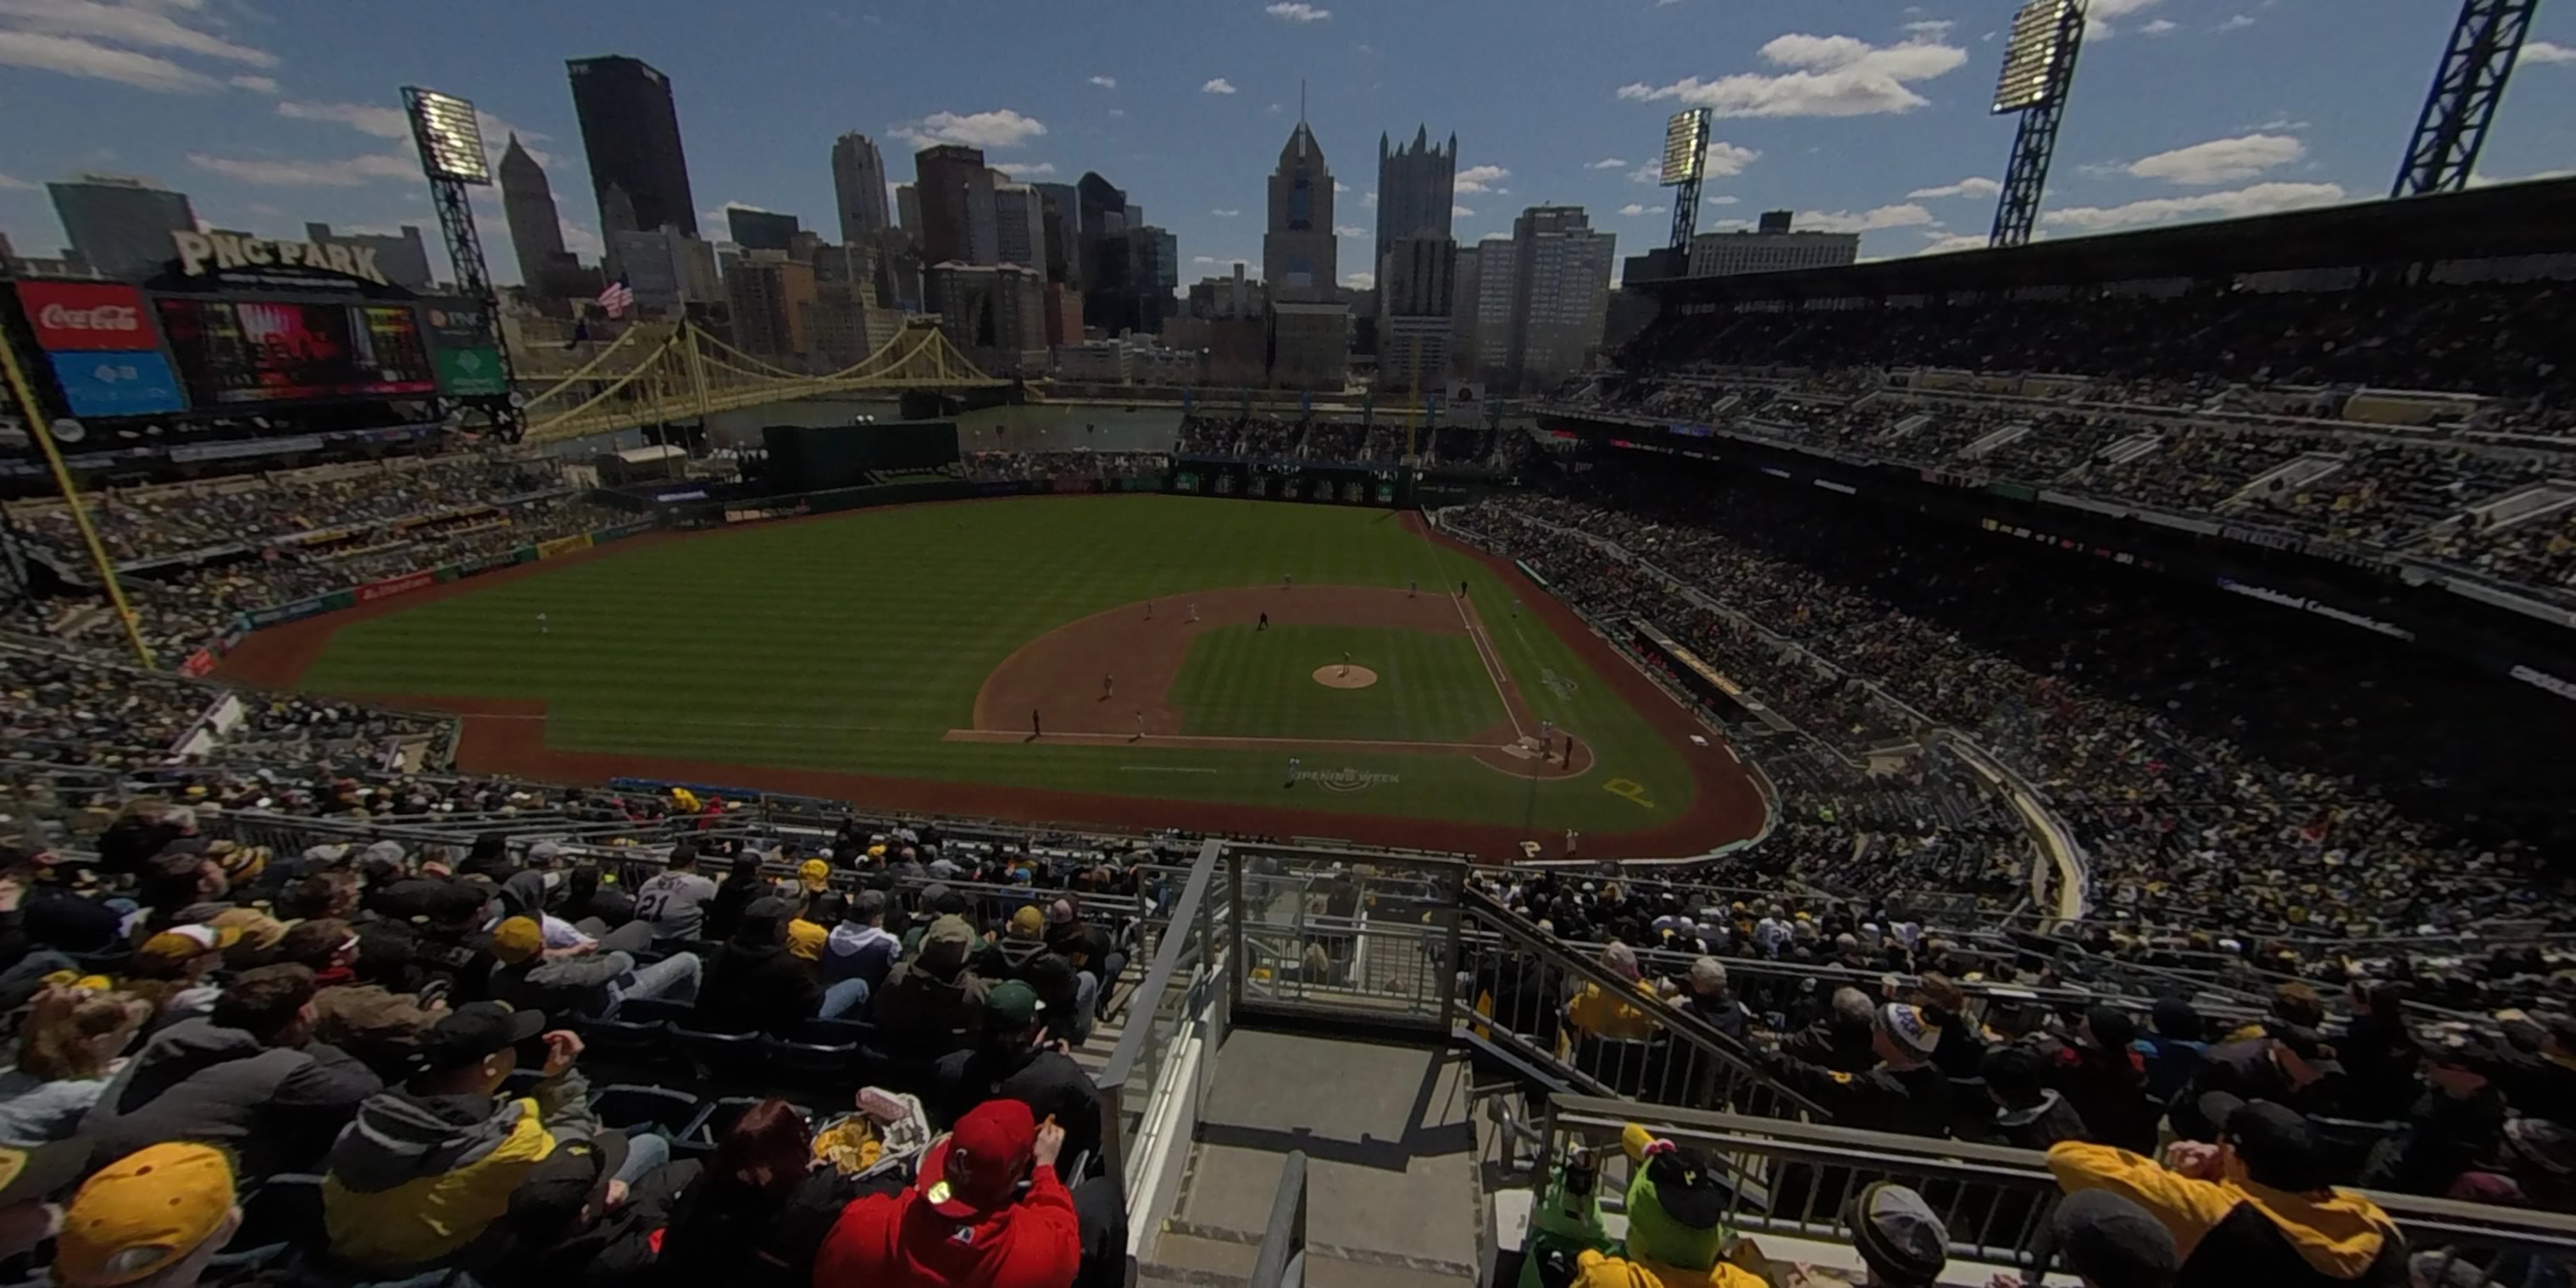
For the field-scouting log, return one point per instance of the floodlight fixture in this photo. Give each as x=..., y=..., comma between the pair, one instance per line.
x=1685, y=144
x=2036, y=56
x=449, y=135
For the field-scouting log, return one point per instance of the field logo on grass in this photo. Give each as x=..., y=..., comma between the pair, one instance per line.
x=1630, y=790
x=1562, y=686
x=1347, y=779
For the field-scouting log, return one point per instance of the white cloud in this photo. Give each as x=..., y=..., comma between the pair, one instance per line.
x=133, y=25
x=9, y=183
x=1609, y=163
x=2099, y=14
x=1972, y=186
x=1025, y=169
x=2160, y=27
x=1105, y=82
x=2233, y=203
x=348, y=172
x=365, y=118
x=999, y=128
x=1718, y=160
x=1219, y=85
x=73, y=56
x=1721, y=199
x=256, y=84
x=1933, y=27
x=1369, y=198
x=1907, y=215
x=2220, y=160
x=1826, y=76
x=1360, y=281
x=580, y=240
x=2544, y=51
x=1339, y=186
x=1294, y=11
x=2475, y=180
x=1634, y=210
x=1225, y=214
x=2235, y=22
x=1202, y=259
x=1481, y=178
x=1944, y=243
x=1349, y=230
x=1461, y=212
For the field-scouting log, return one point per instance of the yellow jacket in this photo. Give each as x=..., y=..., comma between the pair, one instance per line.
x=1599, y=1271
x=2337, y=1232
x=1603, y=1014
x=400, y=1195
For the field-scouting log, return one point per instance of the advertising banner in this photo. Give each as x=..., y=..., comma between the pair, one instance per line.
x=469, y=360
x=70, y=316
x=563, y=545
x=298, y=610
x=392, y=586
x=619, y=531
x=339, y=599
x=99, y=382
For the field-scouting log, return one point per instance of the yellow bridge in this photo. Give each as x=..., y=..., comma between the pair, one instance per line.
x=653, y=375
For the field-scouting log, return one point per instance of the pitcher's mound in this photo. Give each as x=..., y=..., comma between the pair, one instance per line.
x=1338, y=676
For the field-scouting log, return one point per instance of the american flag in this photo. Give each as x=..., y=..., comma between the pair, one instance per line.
x=617, y=298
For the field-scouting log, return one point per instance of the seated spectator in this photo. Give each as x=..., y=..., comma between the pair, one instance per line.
x=755, y=984
x=1088, y=948
x=1597, y=1012
x=2174, y=1049
x=573, y=1221
x=2253, y=1208
x=1022, y=954
x=171, y=968
x=31, y=1182
x=431, y=1167
x=2457, y=1124
x=674, y=900
x=2108, y=1241
x=722, y=911
x=258, y=936
x=153, y=1218
x=1676, y=1238
x=2292, y=1068
x=71, y=1043
x=1903, y=1093
x=759, y=1211
x=857, y=955
x=247, y=1077
x=965, y=1222
x=933, y=1005
x=1016, y=1061
x=590, y=896
x=1844, y=1040
x=588, y=984
x=1963, y=1049
x=1705, y=997
x=2028, y=1114
x=2106, y=1082
x=815, y=917
x=1900, y=1240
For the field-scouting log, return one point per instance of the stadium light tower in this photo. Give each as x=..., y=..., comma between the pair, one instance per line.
x=2485, y=41
x=450, y=139
x=2039, y=69
x=1685, y=160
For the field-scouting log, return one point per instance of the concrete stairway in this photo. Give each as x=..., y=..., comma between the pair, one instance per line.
x=1392, y=1193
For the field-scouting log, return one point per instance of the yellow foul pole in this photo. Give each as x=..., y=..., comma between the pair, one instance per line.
x=43, y=432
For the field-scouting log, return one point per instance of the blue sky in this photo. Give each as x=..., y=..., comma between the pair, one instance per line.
x=1860, y=114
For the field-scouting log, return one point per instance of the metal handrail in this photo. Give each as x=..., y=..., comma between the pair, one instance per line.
x=1158, y=976
x=1281, y=1262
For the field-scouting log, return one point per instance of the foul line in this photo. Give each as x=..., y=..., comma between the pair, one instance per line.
x=1201, y=740
x=1492, y=659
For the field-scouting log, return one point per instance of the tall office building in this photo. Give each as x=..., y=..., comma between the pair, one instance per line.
x=907, y=210
x=1298, y=254
x=401, y=257
x=1061, y=206
x=1416, y=190
x=121, y=226
x=996, y=312
x=773, y=304
x=1560, y=295
x=858, y=187
x=762, y=229
x=1019, y=224
x=528, y=206
x=1100, y=251
x=630, y=131
x=666, y=268
x=1415, y=285
x=956, y=196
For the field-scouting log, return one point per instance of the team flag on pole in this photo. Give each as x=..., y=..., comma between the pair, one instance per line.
x=617, y=298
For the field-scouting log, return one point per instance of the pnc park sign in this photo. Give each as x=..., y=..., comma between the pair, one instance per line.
x=202, y=253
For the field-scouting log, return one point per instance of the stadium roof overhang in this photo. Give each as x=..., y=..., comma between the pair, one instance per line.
x=2536, y=218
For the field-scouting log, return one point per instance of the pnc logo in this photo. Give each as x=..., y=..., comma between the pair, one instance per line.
x=104, y=317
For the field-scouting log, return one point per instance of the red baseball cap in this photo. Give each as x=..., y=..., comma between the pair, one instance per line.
x=976, y=1167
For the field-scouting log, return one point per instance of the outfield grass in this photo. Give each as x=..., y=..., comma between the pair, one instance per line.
x=1251, y=683
x=854, y=643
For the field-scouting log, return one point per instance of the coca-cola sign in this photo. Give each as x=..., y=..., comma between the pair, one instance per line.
x=77, y=316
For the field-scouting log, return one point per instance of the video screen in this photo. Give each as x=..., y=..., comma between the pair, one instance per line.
x=237, y=352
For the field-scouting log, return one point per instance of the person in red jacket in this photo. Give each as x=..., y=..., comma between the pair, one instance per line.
x=986, y=1212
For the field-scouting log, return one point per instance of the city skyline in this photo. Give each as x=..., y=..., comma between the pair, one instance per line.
x=1862, y=121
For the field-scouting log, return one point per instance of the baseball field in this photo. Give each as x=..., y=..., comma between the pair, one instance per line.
x=1144, y=661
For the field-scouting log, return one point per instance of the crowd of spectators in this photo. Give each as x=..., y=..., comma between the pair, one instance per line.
x=1046, y=466
x=367, y=1064
x=63, y=707
x=2219, y=771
